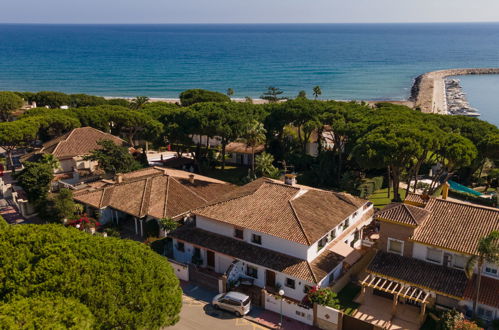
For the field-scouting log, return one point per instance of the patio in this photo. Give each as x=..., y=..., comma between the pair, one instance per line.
x=378, y=311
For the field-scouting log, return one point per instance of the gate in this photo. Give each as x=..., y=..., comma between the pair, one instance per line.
x=351, y=323
x=203, y=278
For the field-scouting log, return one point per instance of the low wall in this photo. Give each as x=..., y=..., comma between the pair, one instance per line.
x=181, y=270
x=289, y=309
x=328, y=318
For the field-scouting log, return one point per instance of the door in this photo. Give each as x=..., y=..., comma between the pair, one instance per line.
x=269, y=278
x=210, y=258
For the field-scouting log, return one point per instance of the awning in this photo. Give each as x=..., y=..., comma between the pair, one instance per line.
x=399, y=289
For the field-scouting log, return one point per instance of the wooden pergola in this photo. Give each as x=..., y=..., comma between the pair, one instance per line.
x=397, y=289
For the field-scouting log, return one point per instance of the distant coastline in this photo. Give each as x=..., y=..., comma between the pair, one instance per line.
x=428, y=91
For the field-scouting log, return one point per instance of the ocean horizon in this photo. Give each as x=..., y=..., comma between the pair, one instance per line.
x=369, y=61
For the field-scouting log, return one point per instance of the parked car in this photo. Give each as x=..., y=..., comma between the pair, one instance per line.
x=236, y=302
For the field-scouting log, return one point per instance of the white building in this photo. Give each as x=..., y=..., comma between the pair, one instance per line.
x=275, y=235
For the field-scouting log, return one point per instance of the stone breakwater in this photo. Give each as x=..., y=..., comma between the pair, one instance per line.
x=428, y=92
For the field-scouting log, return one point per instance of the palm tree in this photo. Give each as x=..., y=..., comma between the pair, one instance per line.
x=317, y=91
x=264, y=164
x=488, y=251
x=138, y=102
x=254, y=136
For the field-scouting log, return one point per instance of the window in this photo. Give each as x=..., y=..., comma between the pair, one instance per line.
x=322, y=242
x=354, y=214
x=290, y=283
x=257, y=239
x=333, y=234
x=484, y=313
x=433, y=255
x=491, y=270
x=197, y=252
x=395, y=246
x=180, y=246
x=460, y=261
x=238, y=233
x=252, y=271
x=346, y=224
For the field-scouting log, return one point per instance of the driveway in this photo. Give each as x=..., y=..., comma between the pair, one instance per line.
x=197, y=313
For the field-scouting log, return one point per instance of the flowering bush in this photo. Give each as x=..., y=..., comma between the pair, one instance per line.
x=84, y=223
x=323, y=296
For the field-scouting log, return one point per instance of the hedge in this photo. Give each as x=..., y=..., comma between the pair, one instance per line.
x=472, y=198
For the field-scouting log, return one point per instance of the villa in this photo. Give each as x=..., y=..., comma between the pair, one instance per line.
x=424, y=246
x=71, y=148
x=273, y=235
x=151, y=193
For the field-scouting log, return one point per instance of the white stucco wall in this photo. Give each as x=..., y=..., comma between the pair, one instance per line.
x=312, y=252
x=289, y=309
x=222, y=263
x=65, y=165
x=268, y=242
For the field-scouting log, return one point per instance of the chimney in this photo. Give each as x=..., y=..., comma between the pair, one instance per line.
x=290, y=179
x=191, y=178
x=445, y=190
x=119, y=178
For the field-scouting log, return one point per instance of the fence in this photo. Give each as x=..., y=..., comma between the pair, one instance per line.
x=289, y=309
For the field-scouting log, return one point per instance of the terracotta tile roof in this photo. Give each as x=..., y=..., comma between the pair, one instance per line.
x=403, y=213
x=415, y=199
x=296, y=213
x=155, y=192
x=242, y=148
x=299, y=268
x=456, y=226
x=419, y=273
x=489, y=291
x=79, y=142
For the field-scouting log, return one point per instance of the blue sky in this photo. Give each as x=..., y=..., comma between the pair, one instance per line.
x=247, y=11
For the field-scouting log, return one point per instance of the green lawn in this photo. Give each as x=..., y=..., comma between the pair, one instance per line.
x=379, y=197
x=232, y=174
x=346, y=297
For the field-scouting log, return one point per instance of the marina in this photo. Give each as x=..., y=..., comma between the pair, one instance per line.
x=456, y=101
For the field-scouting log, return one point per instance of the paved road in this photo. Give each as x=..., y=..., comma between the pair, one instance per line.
x=198, y=314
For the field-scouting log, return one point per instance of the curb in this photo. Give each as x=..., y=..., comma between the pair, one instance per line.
x=259, y=323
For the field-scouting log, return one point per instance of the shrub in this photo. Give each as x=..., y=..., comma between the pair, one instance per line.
x=192, y=96
x=472, y=198
x=324, y=297
x=45, y=313
x=122, y=283
x=378, y=182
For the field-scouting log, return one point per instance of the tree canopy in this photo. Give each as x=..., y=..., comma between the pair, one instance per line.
x=113, y=158
x=35, y=179
x=45, y=313
x=192, y=96
x=102, y=282
x=9, y=101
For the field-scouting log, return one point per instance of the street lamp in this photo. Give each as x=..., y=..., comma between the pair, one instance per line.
x=281, y=293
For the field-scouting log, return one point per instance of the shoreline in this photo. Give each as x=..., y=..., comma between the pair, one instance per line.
x=429, y=93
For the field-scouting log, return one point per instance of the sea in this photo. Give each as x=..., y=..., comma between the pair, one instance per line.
x=348, y=61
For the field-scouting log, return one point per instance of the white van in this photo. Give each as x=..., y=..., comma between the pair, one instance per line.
x=236, y=302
